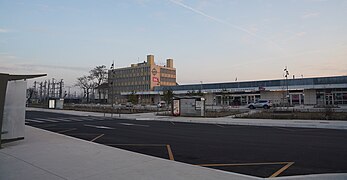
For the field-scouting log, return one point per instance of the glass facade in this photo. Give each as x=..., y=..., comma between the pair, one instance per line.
x=331, y=97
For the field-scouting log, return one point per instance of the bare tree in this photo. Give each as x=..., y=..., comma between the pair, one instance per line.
x=99, y=73
x=86, y=83
x=30, y=93
x=96, y=77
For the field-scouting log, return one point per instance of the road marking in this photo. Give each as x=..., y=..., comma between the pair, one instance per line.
x=99, y=127
x=136, y=144
x=172, y=123
x=47, y=125
x=31, y=120
x=75, y=119
x=242, y=164
x=171, y=157
x=53, y=119
x=61, y=119
x=168, y=147
x=89, y=118
x=97, y=137
x=281, y=170
x=285, y=129
x=68, y=130
x=129, y=124
x=48, y=120
x=42, y=119
x=220, y=126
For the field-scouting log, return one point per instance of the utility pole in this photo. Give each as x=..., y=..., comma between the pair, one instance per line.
x=53, y=88
x=48, y=89
x=41, y=83
x=69, y=95
x=61, y=83
x=35, y=90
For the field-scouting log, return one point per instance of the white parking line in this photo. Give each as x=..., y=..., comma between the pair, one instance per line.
x=129, y=124
x=42, y=119
x=99, y=127
x=31, y=120
x=220, y=126
x=92, y=118
x=97, y=137
x=60, y=119
x=74, y=119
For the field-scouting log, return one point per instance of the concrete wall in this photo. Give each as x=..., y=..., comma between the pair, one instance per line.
x=209, y=98
x=310, y=97
x=14, y=110
x=275, y=96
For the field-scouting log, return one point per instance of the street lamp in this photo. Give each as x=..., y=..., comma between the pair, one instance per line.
x=111, y=83
x=286, y=75
x=200, y=87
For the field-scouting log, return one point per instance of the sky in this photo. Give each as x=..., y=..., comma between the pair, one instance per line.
x=209, y=40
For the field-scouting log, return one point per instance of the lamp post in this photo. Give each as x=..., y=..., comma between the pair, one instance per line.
x=286, y=75
x=111, y=83
x=200, y=87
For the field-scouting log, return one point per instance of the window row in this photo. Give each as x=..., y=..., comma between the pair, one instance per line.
x=164, y=79
x=145, y=87
x=132, y=79
x=167, y=71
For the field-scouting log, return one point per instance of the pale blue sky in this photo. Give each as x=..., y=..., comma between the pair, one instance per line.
x=209, y=40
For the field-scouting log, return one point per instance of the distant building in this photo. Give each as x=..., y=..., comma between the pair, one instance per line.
x=300, y=91
x=139, y=81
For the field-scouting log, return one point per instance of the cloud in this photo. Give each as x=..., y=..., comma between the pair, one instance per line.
x=2, y=30
x=211, y=17
x=294, y=36
x=221, y=21
x=5, y=56
x=300, y=34
x=12, y=62
x=310, y=15
x=73, y=68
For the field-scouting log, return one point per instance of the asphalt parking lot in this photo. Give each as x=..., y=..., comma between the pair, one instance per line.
x=251, y=150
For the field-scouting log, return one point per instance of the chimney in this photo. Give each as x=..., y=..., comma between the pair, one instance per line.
x=169, y=63
x=150, y=59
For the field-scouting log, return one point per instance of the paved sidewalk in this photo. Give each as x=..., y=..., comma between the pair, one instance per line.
x=323, y=124
x=46, y=155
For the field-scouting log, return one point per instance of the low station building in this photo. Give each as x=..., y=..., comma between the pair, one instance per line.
x=302, y=91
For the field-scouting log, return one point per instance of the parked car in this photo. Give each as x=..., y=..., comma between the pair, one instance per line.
x=266, y=104
x=161, y=104
x=129, y=104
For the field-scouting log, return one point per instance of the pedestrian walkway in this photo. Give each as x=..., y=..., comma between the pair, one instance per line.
x=46, y=155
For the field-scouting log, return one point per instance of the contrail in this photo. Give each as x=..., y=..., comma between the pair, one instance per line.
x=223, y=22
